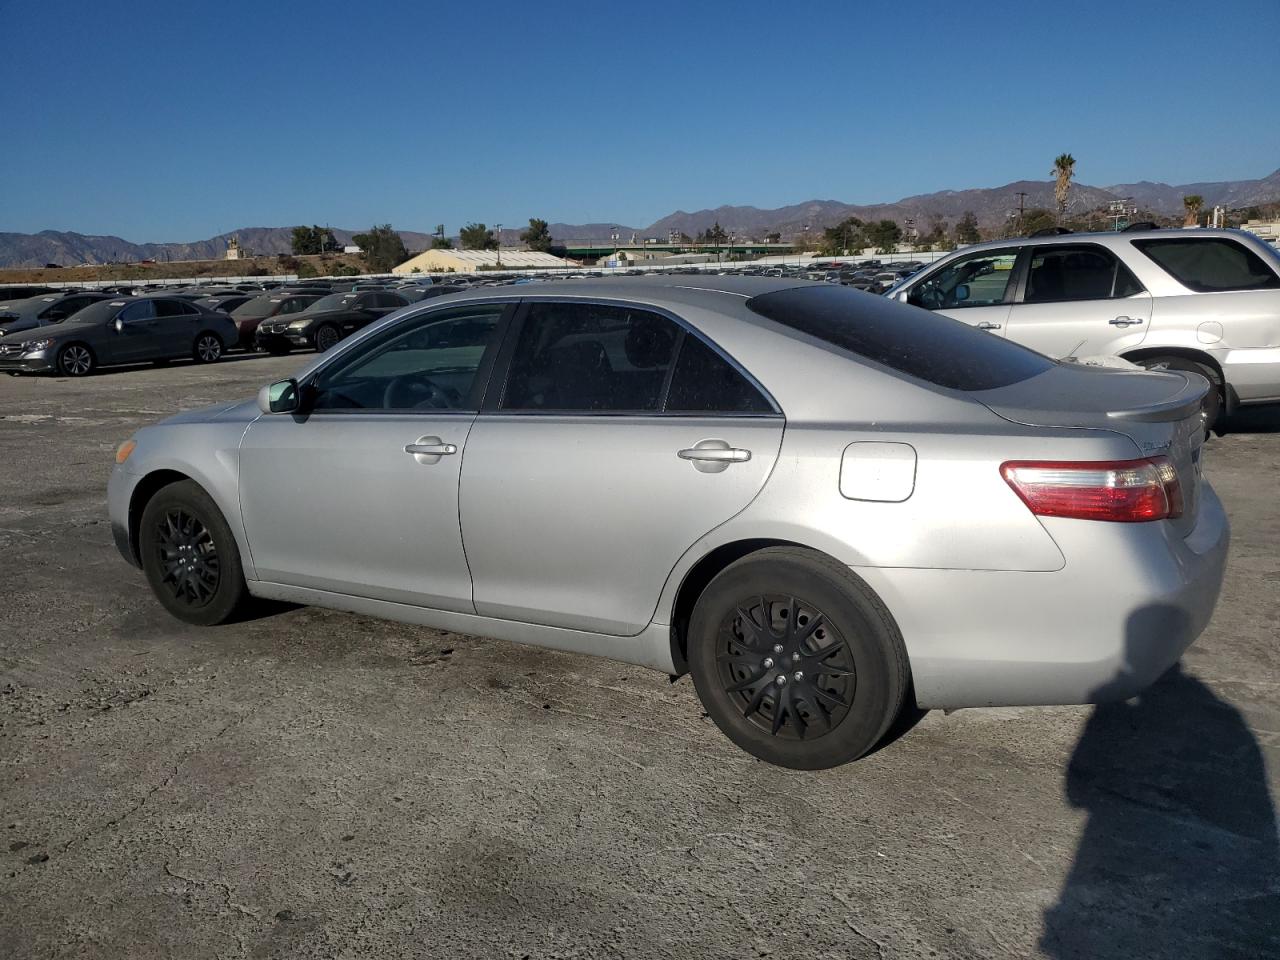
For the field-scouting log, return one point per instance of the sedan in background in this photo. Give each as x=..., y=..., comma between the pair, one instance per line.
x=821, y=503
x=44, y=311
x=328, y=320
x=254, y=311
x=226, y=302
x=118, y=331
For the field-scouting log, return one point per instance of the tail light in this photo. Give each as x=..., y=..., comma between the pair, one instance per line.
x=1122, y=491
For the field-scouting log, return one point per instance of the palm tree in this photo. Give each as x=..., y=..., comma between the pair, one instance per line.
x=1193, y=202
x=1064, y=168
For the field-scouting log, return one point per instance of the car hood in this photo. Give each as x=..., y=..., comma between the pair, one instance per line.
x=239, y=411
x=17, y=325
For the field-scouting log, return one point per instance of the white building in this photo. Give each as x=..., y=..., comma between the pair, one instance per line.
x=470, y=261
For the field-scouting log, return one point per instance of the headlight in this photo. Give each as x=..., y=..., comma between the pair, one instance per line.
x=298, y=324
x=31, y=346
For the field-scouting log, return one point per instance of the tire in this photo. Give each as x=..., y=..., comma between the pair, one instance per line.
x=326, y=337
x=207, y=348
x=76, y=360
x=190, y=557
x=852, y=692
x=1213, y=402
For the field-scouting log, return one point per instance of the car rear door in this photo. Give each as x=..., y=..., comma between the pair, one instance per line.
x=359, y=495
x=618, y=438
x=177, y=323
x=1078, y=300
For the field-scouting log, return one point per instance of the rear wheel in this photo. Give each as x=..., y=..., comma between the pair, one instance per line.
x=796, y=660
x=75, y=360
x=326, y=337
x=190, y=557
x=1213, y=402
x=207, y=348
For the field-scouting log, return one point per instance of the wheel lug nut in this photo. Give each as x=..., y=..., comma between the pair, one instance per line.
x=795, y=658
x=777, y=648
x=768, y=662
x=799, y=675
x=782, y=680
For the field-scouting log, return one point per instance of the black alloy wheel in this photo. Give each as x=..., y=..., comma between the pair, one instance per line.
x=75, y=360
x=326, y=337
x=208, y=348
x=188, y=557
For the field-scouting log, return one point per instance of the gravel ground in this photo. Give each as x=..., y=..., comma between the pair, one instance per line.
x=326, y=785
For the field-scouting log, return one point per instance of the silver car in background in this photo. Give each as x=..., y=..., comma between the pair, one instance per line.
x=1205, y=301
x=817, y=501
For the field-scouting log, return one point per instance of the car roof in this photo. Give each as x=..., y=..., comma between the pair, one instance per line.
x=712, y=291
x=1107, y=237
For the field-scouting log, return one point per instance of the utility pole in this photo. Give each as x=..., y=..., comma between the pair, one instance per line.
x=498, y=234
x=1022, y=208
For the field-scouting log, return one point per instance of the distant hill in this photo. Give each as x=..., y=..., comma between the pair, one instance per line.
x=991, y=206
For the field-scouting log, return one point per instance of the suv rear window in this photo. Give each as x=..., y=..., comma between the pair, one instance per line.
x=925, y=345
x=1210, y=264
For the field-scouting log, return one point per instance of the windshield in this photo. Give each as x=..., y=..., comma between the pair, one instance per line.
x=99, y=312
x=258, y=307
x=335, y=301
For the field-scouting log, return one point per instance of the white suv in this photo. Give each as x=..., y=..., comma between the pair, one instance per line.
x=1202, y=300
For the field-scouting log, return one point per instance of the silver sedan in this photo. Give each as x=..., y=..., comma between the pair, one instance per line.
x=819, y=502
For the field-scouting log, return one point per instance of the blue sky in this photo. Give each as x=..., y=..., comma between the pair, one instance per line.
x=178, y=120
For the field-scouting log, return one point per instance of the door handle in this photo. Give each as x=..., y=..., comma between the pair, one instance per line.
x=428, y=450
x=713, y=456
x=986, y=325
x=1125, y=321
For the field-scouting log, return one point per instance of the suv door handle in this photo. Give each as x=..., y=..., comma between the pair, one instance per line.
x=715, y=454
x=987, y=325
x=1125, y=321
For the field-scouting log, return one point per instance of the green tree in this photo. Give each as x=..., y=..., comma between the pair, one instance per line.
x=381, y=248
x=1037, y=218
x=305, y=241
x=476, y=236
x=885, y=235
x=441, y=243
x=538, y=236
x=849, y=234
x=1193, y=203
x=967, y=228
x=1064, y=168
x=773, y=238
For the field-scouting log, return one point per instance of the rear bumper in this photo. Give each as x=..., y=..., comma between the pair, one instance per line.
x=1130, y=600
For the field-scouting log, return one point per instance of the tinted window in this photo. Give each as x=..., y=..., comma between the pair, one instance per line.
x=430, y=365
x=1081, y=272
x=977, y=280
x=138, y=310
x=1210, y=264
x=389, y=300
x=924, y=345
x=704, y=382
x=586, y=357
x=173, y=308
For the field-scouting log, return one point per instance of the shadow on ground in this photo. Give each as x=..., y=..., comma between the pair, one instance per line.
x=1179, y=857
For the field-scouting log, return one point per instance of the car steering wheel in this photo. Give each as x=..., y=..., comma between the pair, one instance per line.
x=413, y=391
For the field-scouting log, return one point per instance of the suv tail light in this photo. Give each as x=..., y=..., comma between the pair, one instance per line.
x=1122, y=491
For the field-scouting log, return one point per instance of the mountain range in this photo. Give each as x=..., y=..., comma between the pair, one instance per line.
x=991, y=206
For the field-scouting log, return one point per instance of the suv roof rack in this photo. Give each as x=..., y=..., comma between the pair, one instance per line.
x=1141, y=225
x=1050, y=232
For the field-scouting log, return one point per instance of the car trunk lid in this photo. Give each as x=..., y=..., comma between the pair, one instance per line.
x=1160, y=412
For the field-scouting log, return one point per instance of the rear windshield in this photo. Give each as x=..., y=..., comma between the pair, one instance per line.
x=257, y=307
x=1210, y=264
x=910, y=340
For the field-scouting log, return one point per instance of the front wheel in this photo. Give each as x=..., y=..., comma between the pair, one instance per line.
x=326, y=337
x=190, y=557
x=207, y=348
x=796, y=660
x=75, y=360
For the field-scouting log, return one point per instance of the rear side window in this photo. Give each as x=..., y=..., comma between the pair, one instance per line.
x=1210, y=264
x=1080, y=272
x=920, y=344
x=705, y=382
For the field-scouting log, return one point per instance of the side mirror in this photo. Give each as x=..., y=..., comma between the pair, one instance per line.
x=960, y=293
x=119, y=325
x=279, y=397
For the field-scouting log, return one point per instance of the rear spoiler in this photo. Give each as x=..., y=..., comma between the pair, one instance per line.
x=1186, y=402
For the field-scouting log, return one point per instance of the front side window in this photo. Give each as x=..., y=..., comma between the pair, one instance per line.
x=589, y=358
x=138, y=310
x=1057, y=274
x=1210, y=264
x=977, y=280
x=430, y=365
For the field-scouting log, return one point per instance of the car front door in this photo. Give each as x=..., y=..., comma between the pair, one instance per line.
x=1078, y=300
x=358, y=495
x=618, y=439
x=976, y=288
x=133, y=333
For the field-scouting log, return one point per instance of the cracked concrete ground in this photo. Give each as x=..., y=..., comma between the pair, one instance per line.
x=326, y=785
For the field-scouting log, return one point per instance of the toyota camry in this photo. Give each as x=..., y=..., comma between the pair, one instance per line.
x=822, y=504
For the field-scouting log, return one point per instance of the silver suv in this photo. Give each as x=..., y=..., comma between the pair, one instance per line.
x=1202, y=300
